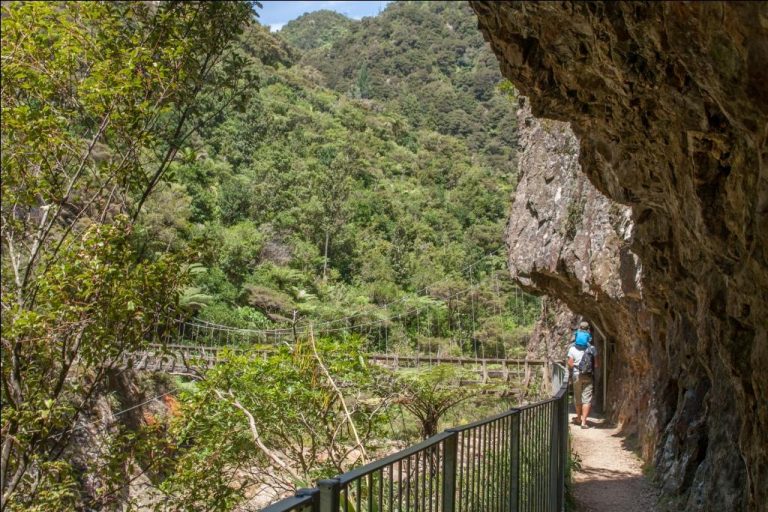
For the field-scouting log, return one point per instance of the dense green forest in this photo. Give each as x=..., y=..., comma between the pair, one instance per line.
x=189, y=164
x=424, y=60
x=316, y=29
x=333, y=192
x=318, y=202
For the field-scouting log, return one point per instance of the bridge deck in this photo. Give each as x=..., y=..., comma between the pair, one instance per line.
x=180, y=358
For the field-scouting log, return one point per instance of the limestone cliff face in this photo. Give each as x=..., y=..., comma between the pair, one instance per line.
x=569, y=241
x=670, y=105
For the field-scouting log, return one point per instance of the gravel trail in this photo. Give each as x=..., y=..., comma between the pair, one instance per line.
x=611, y=477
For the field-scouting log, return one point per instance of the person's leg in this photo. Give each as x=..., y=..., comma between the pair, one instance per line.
x=586, y=399
x=577, y=393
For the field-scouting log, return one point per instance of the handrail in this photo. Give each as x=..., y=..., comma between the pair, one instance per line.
x=515, y=460
x=296, y=503
x=484, y=421
x=386, y=461
x=456, y=359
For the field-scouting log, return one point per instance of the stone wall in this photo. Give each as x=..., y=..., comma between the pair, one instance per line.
x=670, y=105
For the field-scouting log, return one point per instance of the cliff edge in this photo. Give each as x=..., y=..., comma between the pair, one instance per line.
x=665, y=244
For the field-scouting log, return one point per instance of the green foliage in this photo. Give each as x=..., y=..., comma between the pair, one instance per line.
x=336, y=194
x=145, y=141
x=95, y=303
x=280, y=416
x=240, y=317
x=574, y=218
x=239, y=249
x=165, y=222
x=426, y=61
x=430, y=394
x=573, y=464
x=269, y=50
x=318, y=29
x=97, y=98
x=363, y=85
x=193, y=299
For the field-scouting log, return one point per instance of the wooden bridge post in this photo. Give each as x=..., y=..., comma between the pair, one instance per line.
x=526, y=373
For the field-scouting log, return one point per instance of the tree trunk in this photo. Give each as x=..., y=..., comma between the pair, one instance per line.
x=325, y=257
x=429, y=425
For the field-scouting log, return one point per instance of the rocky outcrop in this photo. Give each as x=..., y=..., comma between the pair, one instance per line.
x=569, y=241
x=127, y=403
x=670, y=106
x=553, y=330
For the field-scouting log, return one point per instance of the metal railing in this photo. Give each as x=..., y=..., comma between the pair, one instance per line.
x=514, y=461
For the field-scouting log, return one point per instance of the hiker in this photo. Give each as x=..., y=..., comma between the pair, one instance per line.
x=582, y=360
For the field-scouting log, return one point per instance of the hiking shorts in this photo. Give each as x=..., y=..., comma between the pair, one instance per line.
x=582, y=390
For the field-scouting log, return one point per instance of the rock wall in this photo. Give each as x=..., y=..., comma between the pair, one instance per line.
x=569, y=241
x=670, y=105
x=552, y=331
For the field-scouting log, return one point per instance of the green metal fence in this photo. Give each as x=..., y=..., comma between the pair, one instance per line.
x=511, y=462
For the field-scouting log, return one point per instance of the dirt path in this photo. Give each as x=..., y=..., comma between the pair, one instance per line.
x=610, y=478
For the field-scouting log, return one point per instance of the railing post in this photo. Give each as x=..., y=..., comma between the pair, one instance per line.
x=450, y=465
x=514, y=452
x=564, y=449
x=554, y=456
x=329, y=495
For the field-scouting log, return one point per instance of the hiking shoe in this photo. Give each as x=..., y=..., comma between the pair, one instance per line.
x=584, y=427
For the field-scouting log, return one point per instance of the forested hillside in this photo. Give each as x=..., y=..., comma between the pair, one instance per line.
x=424, y=60
x=316, y=29
x=328, y=204
x=176, y=163
x=318, y=205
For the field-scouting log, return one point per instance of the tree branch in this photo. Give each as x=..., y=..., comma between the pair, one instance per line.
x=364, y=455
x=271, y=455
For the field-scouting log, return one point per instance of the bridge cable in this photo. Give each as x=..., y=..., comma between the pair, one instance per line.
x=424, y=289
x=218, y=327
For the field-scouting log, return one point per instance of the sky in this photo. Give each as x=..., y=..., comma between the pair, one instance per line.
x=278, y=13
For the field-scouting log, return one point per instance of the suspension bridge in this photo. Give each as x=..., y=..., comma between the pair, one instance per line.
x=182, y=358
x=416, y=331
